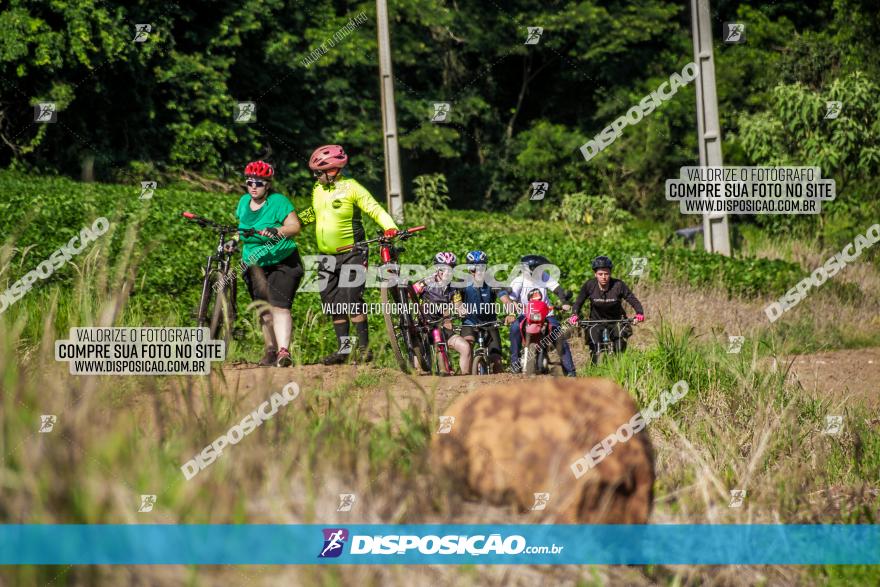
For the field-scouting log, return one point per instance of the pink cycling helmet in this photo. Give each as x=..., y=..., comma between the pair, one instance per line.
x=328, y=157
x=445, y=258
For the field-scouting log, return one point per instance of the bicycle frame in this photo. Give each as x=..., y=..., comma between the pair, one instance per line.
x=218, y=270
x=438, y=343
x=223, y=261
x=407, y=324
x=606, y=345
x=479, y=348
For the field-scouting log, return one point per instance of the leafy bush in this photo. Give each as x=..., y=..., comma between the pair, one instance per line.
x=430, y=194
x=582, y=208
x=170, y=252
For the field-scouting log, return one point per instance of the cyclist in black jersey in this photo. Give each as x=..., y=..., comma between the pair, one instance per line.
x=606, y=295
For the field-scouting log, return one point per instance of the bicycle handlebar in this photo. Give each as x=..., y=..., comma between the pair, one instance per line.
x=490, y=324
x=211, y=225
x=620, y=321
x=401, y=234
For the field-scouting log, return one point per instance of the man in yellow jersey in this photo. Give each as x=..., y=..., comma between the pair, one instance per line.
x=338, y=202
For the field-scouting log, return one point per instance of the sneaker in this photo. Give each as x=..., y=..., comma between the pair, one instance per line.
x=284, y=358
x=269, y=359
x=571, y=374
x=334, y=359
x=362, y=356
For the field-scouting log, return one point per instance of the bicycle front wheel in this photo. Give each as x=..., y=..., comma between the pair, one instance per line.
x=480, y=365
x=222, y=318
x=397, y=328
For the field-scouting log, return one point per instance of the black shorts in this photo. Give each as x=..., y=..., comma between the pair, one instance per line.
x=276, y=284
x=493, y=344
x=332, y=292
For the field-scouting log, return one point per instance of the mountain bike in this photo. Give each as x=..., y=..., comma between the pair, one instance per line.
x=218, y=307
x=440, y=363
x=480, y=364
x=606, y=344
x=404, y=323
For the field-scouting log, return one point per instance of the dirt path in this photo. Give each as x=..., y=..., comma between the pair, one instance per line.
x=849, y=376
x=846, y=376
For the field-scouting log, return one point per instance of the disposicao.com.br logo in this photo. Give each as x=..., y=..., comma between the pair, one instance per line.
x=335, y=539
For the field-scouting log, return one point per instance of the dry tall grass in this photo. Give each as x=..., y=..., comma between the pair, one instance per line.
x=743, y=426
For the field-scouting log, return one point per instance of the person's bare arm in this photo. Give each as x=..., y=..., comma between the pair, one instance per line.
x=290, y=227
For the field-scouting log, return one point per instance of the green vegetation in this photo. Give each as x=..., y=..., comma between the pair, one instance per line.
x=167, y=253
x=741, y=425
x=162, y=109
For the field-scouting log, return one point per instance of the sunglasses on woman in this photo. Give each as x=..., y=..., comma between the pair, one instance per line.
x=255, y=183
x=319, y=172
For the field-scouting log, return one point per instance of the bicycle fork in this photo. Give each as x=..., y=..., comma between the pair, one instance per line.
x=442, y=351
x=206, y=294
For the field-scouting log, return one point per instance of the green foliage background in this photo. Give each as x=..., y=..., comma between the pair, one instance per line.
x=162, y=109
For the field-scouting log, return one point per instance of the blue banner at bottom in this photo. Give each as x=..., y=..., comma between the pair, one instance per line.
x=439, y=544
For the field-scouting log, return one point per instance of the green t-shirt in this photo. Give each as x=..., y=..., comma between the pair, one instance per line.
x=263, y=250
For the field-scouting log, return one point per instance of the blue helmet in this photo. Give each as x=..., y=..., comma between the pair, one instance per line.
x=477, y=258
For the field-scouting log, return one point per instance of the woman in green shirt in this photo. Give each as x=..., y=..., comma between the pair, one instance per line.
x=273, y=268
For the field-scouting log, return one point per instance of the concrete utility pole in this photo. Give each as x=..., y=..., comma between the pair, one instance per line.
x=716, y=236
x=393, y=183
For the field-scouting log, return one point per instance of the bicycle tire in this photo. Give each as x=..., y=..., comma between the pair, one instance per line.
x=396, y=333
x=221, y=317
x=480, y=365
x=443, y=361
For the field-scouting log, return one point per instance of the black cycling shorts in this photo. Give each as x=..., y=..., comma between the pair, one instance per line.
x=492, y=342
x=276, y=284
x=352, y=296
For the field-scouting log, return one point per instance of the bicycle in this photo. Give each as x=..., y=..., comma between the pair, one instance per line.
x=480, y=364
x=440, y=362
x=219, y=286
x=606, y=346
x=409, y=342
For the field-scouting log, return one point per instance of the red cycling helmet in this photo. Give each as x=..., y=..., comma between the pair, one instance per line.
x=259, y=169
x=328, y=157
